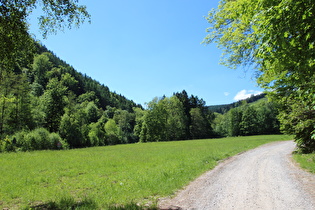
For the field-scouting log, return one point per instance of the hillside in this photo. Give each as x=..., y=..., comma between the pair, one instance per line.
x=47, y=104
x=226, y=107
x=87, y=84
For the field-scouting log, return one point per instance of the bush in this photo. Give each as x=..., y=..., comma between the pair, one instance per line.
x=57, y=142
x=20, y=141
x=38, y=139
x=6, y=145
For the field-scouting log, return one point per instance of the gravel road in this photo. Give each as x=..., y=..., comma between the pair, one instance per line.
x=262, y=178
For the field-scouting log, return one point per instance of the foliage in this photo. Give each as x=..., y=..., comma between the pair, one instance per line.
x=115, y=175
x=15, y=108
x=167, y=119
x=249, y=119
x=222, y=109
x=50, y=94
x=280, y=44
x=199, y=127
x=38, y=139
x=113, y=132
x=16, y=45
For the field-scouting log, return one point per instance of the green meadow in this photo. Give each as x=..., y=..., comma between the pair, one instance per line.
x=306, y=161
x=112, y=177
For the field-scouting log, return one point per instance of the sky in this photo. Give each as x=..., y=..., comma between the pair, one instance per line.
x=147, y=48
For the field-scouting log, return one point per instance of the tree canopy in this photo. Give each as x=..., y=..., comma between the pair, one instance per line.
x=277, y=38
x=16, y=45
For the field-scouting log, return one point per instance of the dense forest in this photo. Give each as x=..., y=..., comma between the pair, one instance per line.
x=47, y=104
x=246, y=119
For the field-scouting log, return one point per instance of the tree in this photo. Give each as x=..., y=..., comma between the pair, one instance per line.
x=199, y=127
x=279, y=43
x=139, y=122
x=220, y=125
x=15, y=104
x=155, y=122
x=54, y=102
x=112, y=132
x=267, y=117
x=190, y=103
x=126, y=122
x=41, y=65
x=70, y=130
x=249, y=124
x=16, y=45
x=92, y=112
x=234, y=122
x=96, y=134
x=176, y=119
x=165, y=120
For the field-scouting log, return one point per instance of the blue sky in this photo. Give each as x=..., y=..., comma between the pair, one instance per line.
x=145, y=48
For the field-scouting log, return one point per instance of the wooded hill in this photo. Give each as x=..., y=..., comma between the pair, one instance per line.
x=47, y=104
x=226, y=107
x=84, y=83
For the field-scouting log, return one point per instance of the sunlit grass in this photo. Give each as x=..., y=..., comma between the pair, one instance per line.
x=306, y=161
x=107, y=176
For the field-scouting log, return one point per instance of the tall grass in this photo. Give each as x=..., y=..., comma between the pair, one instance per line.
x=112, y=176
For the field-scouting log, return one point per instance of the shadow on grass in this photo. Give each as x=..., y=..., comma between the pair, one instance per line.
x=131, y=206
x=87, y=203
x=66, y=203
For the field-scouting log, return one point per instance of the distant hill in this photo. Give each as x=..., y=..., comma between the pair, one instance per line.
x=226, y=107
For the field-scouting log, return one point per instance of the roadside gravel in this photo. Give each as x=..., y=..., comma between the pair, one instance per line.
x=262, y=178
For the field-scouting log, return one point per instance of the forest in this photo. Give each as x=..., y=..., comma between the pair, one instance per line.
x=47, y=104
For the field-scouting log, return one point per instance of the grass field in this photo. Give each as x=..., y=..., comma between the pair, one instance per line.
x=306, y=161
x=112, y=176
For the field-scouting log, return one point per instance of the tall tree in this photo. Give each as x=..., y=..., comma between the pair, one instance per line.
x=199, y=127
x=155, y=122
x=234, y=122
x=277, y=38
x=15, y=104
x=41, y=65
x=176, y=120
x=249, y=124
x=16, y=45
x=54, y=102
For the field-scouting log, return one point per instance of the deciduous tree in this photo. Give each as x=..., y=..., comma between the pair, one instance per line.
x=16, y=45
x=276, y=37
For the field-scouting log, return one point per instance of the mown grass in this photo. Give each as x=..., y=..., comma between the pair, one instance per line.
x=306, y=161
x=116, y=177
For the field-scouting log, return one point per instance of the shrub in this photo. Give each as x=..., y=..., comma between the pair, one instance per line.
x=38, y=139
x=6, y=145
x=21, y=142
x=57, y=142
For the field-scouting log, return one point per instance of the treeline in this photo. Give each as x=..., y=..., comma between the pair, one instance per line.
x=49, y=105
x=48, y=101
x=178, y=117
x=248, y=119
x=226, y=107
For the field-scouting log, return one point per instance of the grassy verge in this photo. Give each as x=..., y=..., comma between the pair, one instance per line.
x=306, y=161
x=110, y=176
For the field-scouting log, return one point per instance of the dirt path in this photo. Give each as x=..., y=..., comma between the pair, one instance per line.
x=263, y=178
